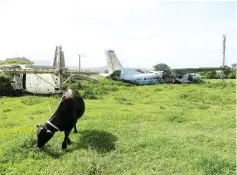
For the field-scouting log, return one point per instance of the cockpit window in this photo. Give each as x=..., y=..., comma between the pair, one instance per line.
x=138, y=70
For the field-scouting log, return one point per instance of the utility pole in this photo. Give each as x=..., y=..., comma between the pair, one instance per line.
x=224, y=41
x=79, y=63
x=223, y=63
x=80, y=56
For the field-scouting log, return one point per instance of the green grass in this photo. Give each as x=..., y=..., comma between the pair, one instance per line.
x=158, y=129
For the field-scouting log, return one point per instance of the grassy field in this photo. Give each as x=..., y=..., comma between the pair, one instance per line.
x=157, y=129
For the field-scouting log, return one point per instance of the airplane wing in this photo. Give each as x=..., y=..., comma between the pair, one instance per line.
x=20, y=70
x=195, y=70
x=35, y=69
x=201, y=69
x=9, y=66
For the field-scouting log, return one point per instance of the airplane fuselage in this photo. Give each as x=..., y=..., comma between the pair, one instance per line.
x=140, y=78
x=37, y=83
x=135, y=76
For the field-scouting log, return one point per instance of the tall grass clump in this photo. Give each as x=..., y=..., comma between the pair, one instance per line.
x=30, y=100
x=219, y=84
x=213, y=164
x=96, y=89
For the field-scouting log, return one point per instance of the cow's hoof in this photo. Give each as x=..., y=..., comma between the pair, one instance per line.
x=75, y=131
x=64, y=146
x=69, y=141
x=39, y=146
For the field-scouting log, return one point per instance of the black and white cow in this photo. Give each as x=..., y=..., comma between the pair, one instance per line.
x=70, y=109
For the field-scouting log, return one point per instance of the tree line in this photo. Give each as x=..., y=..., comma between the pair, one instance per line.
x=229, y=73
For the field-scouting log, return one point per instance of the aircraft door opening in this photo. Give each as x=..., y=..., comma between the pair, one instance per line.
x=24, y=81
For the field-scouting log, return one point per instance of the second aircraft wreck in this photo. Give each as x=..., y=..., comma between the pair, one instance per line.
x=117, y=72
x=136, y=76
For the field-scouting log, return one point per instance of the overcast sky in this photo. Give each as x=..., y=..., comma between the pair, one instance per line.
x=142, y=32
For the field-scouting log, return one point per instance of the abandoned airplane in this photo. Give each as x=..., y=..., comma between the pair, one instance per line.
x=117, y=72
x=40, y=79
x=184, y=75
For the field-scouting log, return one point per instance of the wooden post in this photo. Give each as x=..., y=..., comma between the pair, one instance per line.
x=223, y=63
x=79, y=63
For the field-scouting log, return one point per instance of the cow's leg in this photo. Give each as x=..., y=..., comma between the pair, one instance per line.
x=69, y=141
x=64, y=144
x=75, y=128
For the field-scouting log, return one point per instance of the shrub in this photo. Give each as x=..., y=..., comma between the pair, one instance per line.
x=6, y=88
x=232, y=75
x=211, y=75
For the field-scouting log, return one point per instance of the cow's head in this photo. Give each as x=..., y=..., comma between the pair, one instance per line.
x=43, y=135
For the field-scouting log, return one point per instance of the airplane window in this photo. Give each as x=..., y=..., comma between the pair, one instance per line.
x=138, y=70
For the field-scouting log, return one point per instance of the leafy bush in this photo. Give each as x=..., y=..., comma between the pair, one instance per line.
x=211, y=75
x=76, y=85
x=227, y=74
x=96, y=89
x=5, y=86
x=161, y=67
x=232, y=75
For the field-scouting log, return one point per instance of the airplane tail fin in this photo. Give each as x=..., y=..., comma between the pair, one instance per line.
x=59, y=61
x=113, y=62
x=59, y=57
